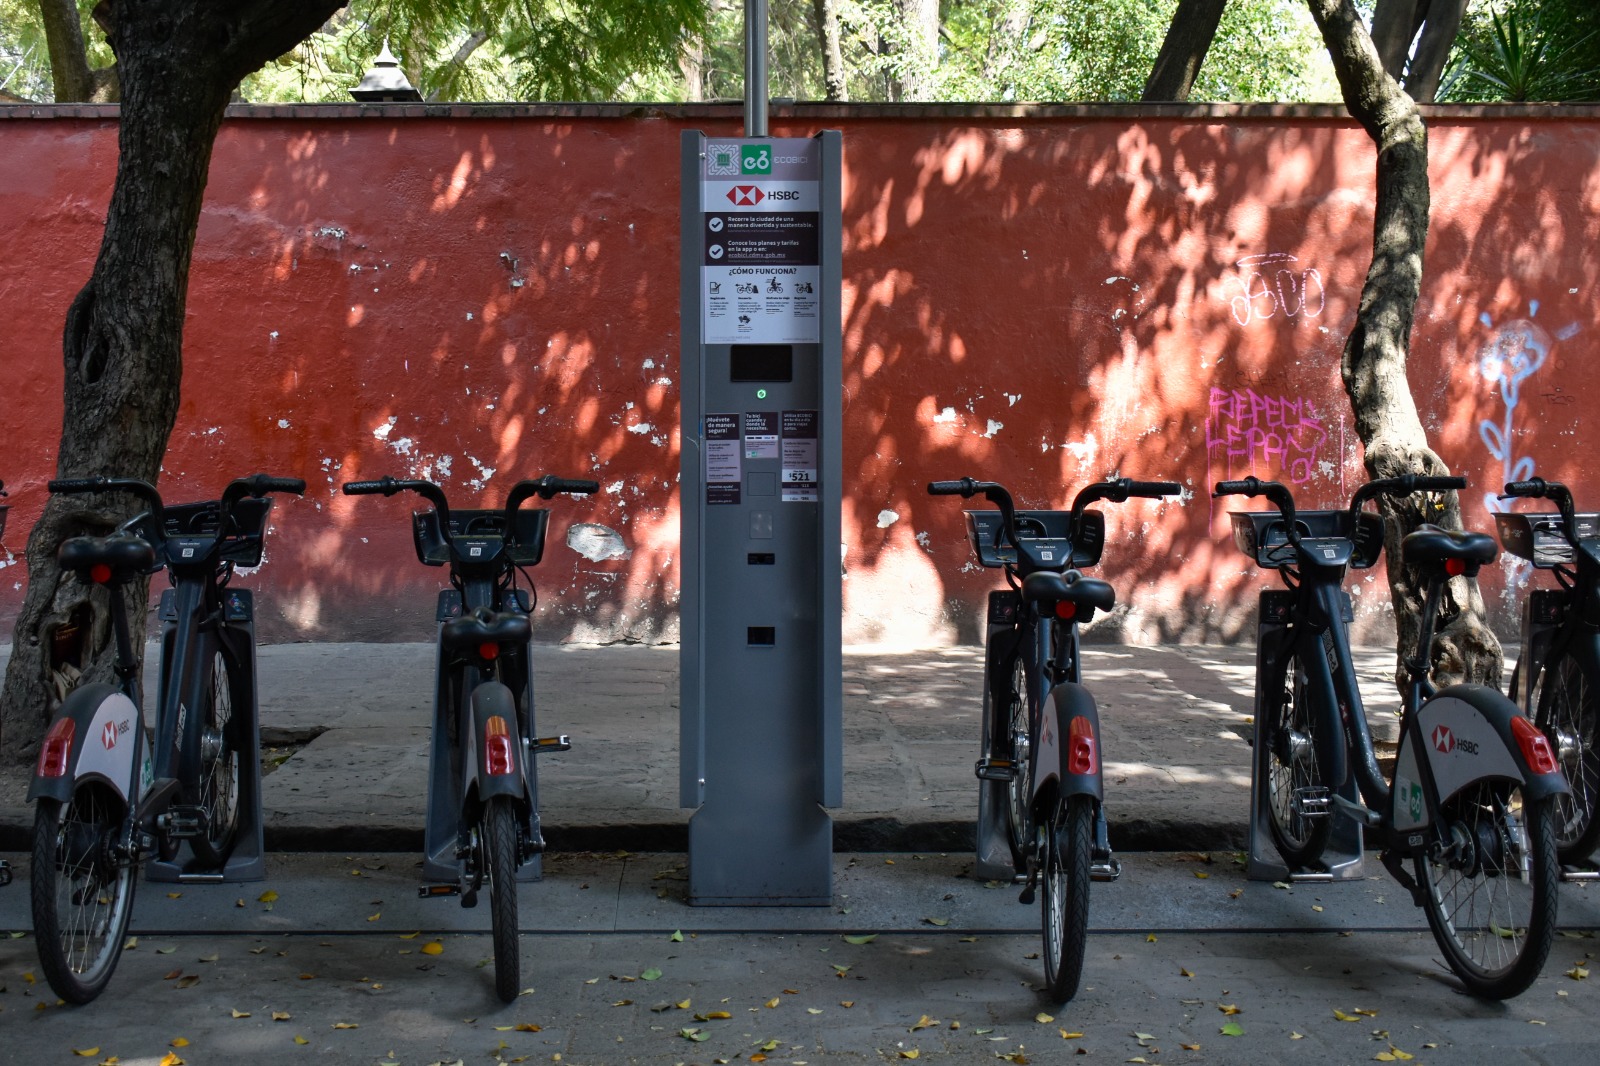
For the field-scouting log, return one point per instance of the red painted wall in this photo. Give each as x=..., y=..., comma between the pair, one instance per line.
x=1038, y=297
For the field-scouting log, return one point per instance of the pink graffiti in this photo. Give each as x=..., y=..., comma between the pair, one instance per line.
x=1251, y=430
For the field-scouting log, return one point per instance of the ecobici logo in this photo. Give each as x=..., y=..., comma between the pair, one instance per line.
x=756, y=158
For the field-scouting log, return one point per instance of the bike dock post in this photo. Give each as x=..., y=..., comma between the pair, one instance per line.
x=761, y=751
x=994, y=860
x=1341, y=859
x=246, y=860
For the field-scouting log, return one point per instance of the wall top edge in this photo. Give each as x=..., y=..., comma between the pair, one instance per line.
x=819, y=111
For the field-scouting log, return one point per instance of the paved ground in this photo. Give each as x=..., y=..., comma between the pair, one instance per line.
x=1176, y=721
x=913, y=959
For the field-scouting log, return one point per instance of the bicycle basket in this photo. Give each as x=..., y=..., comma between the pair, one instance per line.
x=194, y=523
x=1263, y=536
x=526, y=547
x=1539, y=537
x=1050, y=537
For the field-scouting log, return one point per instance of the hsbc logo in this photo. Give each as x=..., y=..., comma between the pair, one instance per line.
x=1446, y=742
x=108, y=735
x=746, y=195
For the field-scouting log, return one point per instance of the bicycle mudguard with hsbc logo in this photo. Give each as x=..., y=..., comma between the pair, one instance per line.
x=1469, y=733
x=102, y=745
x=1055, y=776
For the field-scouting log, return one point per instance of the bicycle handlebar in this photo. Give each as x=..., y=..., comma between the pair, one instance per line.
x=1539, y=488
x=1405, y=485
x=545, y=488
x=142, y=489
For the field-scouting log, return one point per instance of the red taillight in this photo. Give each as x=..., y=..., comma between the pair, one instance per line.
x=100, y=574
x=1066, y=609
x=1083, y=753
x=497, y=746
x=1455, y=567
x=1535, y=746
x=57, y=748
x=489, y=650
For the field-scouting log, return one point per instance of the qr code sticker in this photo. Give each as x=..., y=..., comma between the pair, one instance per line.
x=722, y=159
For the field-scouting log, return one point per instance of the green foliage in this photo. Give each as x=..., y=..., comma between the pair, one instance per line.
x=1526, y=50
x=25, y=55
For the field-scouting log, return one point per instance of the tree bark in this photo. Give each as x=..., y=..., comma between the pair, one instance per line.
x=1433, y=48
x=833, y=77
x=1194, y=25
x=1394, y=27
x=920, y=26
x=178, y=62
x=1374, y=360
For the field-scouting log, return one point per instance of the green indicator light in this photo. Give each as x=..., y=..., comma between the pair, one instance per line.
x=761, y=394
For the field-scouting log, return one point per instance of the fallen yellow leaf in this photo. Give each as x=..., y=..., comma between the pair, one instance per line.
x=86, y=1053
x=179, y=1041
x=268, y=896
x=925, y=1022
x=433, y=947
x=280, y=1015
x=1228, y=1008
x=1043, y=1018
x=409, y=936
x=1150, y=938
x=298, y=1039
x=241, y=1014
x=911, y=1054
x=773, y=1002
x=171, y=1059
x=1069, y=1036
x=347, y=1025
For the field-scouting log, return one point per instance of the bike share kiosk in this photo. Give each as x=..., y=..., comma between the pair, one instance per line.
x=761, y=751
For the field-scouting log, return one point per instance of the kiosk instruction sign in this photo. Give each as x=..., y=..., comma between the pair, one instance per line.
x=760, y=277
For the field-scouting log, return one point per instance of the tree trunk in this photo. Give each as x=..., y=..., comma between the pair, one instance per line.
x=178, y=64
x=833, y=76
x=1374, y=361
x=72, y=78
x=1394, y=27
x=920, y=30
x=1433, y=48
x=1194, y=25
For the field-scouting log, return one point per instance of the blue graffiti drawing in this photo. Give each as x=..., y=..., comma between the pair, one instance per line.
x=1516, y=350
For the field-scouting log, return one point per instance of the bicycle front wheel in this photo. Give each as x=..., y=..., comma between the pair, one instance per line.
x=216, y=766
x=1297, y=795
x=1066, y=896
x=1490, y=895
x=82, y=893
x=499, y=834
x=1569, y=715
x=1012, y=743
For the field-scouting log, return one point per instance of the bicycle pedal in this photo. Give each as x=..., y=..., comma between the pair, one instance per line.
x=1313, y=801
x=1026, y=896
x=995, y=770
x=433, y=891
x=541, y=745
x=469, y=899
x=1106, y=871
x=183, y=822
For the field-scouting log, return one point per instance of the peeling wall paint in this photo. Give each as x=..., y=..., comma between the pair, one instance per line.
x=499, y=301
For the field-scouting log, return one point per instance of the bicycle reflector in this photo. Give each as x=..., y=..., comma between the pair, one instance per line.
x=1066, y=609
x=1455, y=567
x=1083, y=754
x=497, y=746
x=57, y=747
x=100, y=574
x=1535, y=746
x=489, y=649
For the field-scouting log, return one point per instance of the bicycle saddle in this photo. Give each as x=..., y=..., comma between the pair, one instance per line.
x=484, y=626
x=125, y=554
x=1046, y=586
x=1430, y=544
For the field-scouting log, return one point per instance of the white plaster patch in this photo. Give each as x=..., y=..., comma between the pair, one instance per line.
x=649, y=364
x=994, y=427
x=1011, y=401
x=273, y=335
x=641, y=427
x=887, y=518
x=1083, y=450
x=382, y=432
x=615, y=488
x=484, y=474
x=283, y=423
x=403, y=446
x=922, y=539
x=443, y=464
x=947, y=415
x=596, y=542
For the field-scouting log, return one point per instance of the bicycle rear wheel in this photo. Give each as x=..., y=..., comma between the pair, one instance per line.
x=1297, y=795
x=216, y=766
x=82, y=894
x=499, y=835
x=1066, y=895
x=1569, y=715
x=1490, y=896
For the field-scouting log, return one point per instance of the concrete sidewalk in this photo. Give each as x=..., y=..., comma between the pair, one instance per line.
x=350, y=722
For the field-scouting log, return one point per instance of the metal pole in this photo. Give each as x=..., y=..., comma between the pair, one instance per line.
x=755, y=68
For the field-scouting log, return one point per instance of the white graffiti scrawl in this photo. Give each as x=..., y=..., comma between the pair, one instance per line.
x=1269, y=286
x=1251, y=429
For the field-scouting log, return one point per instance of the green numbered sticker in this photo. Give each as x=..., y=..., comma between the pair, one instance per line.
x=756, y=158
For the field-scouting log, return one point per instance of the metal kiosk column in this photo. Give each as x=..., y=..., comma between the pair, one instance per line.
x=761, y=752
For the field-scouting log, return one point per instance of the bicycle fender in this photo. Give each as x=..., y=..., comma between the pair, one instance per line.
x=1067, y=702
x=492, y=700
x=1467, y=737
x=104, y=719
